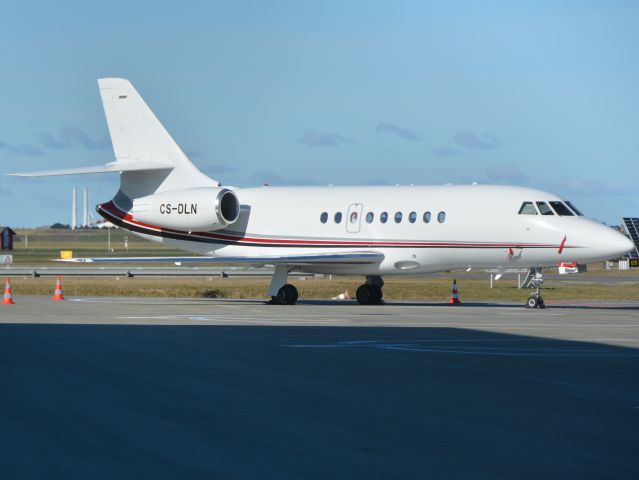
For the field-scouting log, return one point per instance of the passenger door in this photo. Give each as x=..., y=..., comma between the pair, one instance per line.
x=354, y=218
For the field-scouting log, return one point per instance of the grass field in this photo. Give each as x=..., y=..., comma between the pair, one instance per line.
x=39, y=246
x=44, y=245
x=396, y=288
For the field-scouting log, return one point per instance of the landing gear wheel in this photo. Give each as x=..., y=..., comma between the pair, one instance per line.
x=369, y=295
x=535, y=301
x=287, y=295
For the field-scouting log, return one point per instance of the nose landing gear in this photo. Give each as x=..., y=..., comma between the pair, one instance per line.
x=534, y=279
x=535, y=301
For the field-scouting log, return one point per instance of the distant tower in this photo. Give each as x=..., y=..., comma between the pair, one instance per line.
x=85, y=217
x=74, y=220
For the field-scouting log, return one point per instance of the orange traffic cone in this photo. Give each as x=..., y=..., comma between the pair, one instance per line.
x=454, y=296
x=57, y=295
x=342, y=296
x=7, y=299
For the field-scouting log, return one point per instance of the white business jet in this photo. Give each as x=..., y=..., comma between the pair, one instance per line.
x=368, y=231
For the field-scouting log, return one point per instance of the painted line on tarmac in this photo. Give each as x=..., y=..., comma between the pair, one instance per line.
x=176, y=302
x=256, y=316
x=476, y=350
x=258, y=302
x=261, y=317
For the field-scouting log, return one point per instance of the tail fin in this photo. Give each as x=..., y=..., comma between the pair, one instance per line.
x=148, y=158
x=138, y=136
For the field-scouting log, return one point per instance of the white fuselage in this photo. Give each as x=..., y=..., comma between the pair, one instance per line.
x=482, y=228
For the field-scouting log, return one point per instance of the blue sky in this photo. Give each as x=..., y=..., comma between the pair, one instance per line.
x=543, y=94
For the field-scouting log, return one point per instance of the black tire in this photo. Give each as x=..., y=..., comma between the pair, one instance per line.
x=377, y=294
x=533, y=302
x=287, y=295
x=369, y=295
x=364, y=295
x=541, y=303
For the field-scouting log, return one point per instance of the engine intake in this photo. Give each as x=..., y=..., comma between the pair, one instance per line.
x=227, y=206
x=193, y=209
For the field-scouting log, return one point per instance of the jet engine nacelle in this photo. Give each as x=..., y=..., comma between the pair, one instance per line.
x=192, y=209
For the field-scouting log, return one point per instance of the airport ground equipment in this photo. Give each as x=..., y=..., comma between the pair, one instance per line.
x=631, y=225
x=342, y=296
x=7, y=298
x=57, y=294
x=454, y=295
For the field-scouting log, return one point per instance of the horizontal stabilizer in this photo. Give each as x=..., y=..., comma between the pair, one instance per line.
x=305, y=259
x=114, y=167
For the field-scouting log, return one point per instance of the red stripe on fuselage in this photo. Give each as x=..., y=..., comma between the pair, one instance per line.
x=116, y=212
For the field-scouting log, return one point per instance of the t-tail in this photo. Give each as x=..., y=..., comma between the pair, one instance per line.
x=155, y=174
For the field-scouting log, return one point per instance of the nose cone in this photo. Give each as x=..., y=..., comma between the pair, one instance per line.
x=616, y=244
x=625, y=245
x=599, y=242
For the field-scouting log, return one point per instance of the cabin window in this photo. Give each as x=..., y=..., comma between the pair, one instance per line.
x=574, y=209
x=426, y=217
x=527, y=208
x=412, y=217
x=398, y=217
x=544, y=209
x=338, y=217
x=370, y=216
x=561, y=209
x=324, y=217
x=383, y=217
x=441, y=217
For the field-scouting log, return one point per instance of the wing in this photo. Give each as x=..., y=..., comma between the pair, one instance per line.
x=114, y=167
x=350, y=258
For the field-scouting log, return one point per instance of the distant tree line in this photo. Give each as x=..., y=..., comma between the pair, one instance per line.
x=66, y=226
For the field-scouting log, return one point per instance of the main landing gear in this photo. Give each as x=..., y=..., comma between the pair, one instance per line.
x=371, y=292
x=286, y=295
x=534, y=279
x=282, y=293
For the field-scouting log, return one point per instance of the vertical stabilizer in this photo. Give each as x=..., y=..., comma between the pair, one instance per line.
x=138, y=136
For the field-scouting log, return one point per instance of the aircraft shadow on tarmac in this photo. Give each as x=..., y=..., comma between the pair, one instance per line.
x=149, y=401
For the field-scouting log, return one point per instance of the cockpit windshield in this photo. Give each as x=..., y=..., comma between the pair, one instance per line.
x=574, y=209
x=544, y=209
x=527, y=208
x=561, y=209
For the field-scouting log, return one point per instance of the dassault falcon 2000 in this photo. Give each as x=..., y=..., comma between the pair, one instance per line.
x=368, y=231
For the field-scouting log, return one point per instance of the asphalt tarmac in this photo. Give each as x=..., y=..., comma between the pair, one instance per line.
x=147, y=388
